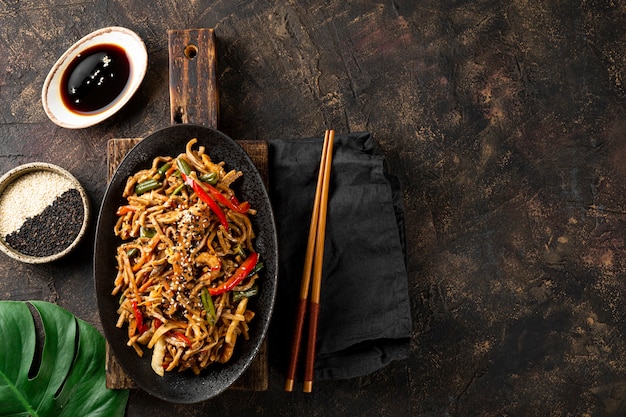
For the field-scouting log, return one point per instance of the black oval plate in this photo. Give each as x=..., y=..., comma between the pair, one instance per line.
x=186, y=387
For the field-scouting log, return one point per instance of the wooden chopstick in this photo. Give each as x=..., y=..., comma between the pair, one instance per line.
x=313, y=259
x=316, y=286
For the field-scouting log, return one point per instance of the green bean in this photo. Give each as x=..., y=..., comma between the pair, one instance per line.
x=209, y=307
x=210, y=178
x=239, y=250
x=146, y=232
x=256, y=269
x=183, y=166
x=178, y=189
x=250, y=292
x=147, y=185
x=163, y=169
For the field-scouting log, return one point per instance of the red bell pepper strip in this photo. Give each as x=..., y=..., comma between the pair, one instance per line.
x=243, y=271
x=179, y=335
x=245, y=206
x=182, y=337
x=125, y=209
x=220, y=198
x=138, y=317
x=215, y=208
x=232, y=204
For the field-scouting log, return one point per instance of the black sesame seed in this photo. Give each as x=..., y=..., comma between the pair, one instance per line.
x=51, y=231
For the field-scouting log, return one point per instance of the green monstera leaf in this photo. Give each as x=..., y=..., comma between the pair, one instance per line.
x=67, y=378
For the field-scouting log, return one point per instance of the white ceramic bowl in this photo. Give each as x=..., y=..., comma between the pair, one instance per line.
x=137, y=56
x=59, y=180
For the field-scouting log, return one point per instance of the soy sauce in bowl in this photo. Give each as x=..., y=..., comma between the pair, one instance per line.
x=95, y=78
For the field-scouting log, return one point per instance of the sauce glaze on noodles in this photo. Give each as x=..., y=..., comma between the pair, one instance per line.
x=187, y=265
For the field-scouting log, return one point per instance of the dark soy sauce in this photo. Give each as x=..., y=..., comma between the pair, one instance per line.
x=95, y=78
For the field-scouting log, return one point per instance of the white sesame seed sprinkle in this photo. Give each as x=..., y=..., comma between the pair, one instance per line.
x=28, y=196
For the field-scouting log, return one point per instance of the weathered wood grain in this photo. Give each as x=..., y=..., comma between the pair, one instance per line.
x=194, y=95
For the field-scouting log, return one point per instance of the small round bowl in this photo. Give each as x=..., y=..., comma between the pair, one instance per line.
x=34, y=188
x=51, y=96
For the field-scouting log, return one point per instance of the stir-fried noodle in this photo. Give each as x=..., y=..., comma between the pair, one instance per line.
x=187, y=265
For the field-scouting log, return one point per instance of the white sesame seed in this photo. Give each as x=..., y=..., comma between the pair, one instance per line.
x=17, y=203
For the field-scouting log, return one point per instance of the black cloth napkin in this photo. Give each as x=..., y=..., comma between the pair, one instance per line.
x=364, y=319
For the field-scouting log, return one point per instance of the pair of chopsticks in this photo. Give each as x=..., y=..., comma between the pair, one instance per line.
x=314, y=257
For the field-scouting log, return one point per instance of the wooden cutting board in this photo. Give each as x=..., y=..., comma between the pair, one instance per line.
x=193, y=99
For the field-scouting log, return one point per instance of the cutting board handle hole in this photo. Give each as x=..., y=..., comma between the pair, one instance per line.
x=178, y=115
x=191, y=51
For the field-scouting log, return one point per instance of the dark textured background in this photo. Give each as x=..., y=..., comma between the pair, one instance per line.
x=504, y=121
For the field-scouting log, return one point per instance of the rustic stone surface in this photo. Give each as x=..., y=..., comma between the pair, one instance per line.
x=504, y=123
